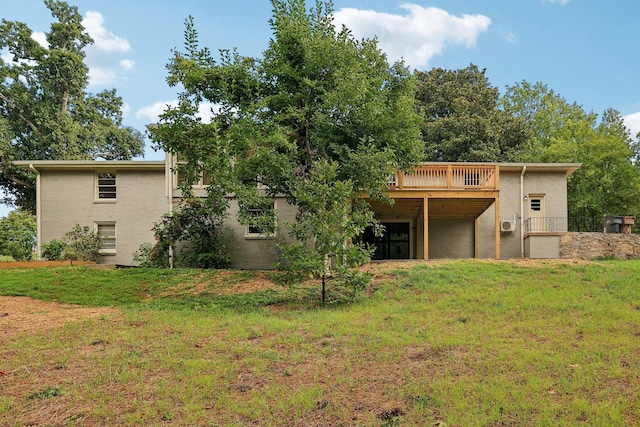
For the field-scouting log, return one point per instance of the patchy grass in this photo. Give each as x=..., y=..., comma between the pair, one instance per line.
x=453, y=342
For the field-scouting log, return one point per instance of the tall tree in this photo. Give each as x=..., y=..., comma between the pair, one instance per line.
x=608, y=182
x=319, y=109
x=462, y=118
x=45, y=111
x=18, y=235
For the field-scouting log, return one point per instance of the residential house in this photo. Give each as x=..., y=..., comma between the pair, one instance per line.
x=441, y=210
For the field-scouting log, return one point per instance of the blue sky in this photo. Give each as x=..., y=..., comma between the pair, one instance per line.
x=585, y=50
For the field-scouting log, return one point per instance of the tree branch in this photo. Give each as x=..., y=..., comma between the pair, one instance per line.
x=28, y=122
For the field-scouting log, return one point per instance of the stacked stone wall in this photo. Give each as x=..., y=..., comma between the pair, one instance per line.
x=600, y=245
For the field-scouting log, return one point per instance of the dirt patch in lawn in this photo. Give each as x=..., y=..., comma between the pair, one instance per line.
x=22, y=315
x=38, y=264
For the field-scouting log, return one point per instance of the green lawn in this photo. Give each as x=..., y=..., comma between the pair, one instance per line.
x=455, y=343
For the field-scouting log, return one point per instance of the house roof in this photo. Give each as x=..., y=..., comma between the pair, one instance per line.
x=91, y=164
x=569, y=168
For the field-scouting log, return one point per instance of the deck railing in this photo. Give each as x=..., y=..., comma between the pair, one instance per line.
x=546, y=224
x=447, y=177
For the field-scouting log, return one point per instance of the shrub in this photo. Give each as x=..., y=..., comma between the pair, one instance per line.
x=82, y=244
x=195, y=232
x=54, y=250
x=6, y=258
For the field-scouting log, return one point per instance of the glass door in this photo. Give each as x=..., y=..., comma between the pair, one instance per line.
x=393, y=244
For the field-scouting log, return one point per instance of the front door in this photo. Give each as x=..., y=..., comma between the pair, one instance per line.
x=393, y=244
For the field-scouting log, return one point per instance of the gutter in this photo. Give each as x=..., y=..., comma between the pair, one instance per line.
x=524, y=170
x=38, y=213
x=168, y=173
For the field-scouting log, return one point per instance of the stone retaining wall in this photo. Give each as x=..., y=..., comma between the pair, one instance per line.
x=600, y=245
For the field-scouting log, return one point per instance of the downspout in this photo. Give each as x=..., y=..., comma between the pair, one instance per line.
x=38, y=212
x=168, y=173
x=524, y=169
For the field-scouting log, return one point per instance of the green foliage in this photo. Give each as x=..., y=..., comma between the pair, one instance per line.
x=608, y=182
x=195, y=232
x=45, y=111
x=330, y=214
x=462, y=342
x=18, y=235
x=6, y=258
x=317, y=99
x=462, y=118
x=47, y=393
x=82, y=244
x=142, y=256
x=54, y=250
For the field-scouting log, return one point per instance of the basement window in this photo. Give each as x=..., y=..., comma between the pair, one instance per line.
x=257, y=230
x=107, y=233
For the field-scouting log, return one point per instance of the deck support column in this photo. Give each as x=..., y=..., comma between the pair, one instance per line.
x=496, y=203
x=425, y=228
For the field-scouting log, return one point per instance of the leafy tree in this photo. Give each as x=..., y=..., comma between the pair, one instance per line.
x=324, y=226
x=608, y=182
x=45, y=111
x=462, y=118
x=18, y=235
x=318, y=109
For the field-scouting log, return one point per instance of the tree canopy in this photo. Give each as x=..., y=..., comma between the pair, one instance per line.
x=18, y=235
x=45, y=110
x=319, y=108
x=462, y=119
x=608, y=182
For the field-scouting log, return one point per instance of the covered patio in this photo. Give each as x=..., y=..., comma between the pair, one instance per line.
x=444, y=195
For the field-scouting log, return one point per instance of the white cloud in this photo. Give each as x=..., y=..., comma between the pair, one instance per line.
x=41, y=38
x=560, y=2
x=151, y=113
x=106, y=67
x=126, y=108
x=127, y=64
x=104, y=39
x=5, y=56
x=632, y=121
x=417, y=36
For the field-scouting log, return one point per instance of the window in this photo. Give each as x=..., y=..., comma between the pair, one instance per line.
x=202, y=180
x=106, y=186
x=107, y=233
x=257, y=230
x=536, y=204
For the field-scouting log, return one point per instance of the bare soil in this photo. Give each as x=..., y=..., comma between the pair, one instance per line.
x=38, y=264
x=22, y=315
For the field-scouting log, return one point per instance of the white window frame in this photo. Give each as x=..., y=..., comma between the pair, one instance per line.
x=98, y=187
x=111, y=250
x=250, y=234
x=202, y=181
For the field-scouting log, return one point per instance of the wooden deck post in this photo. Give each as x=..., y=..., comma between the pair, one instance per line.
x=425, y=228
x=497, y=208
